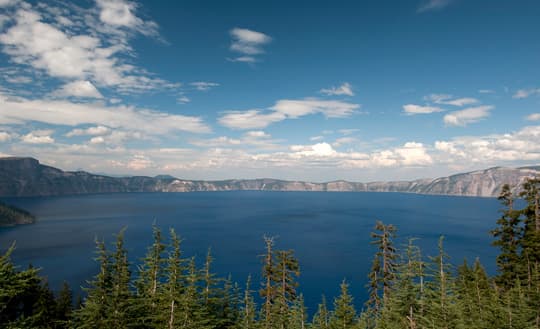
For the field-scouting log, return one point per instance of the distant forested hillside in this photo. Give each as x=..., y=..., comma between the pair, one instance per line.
x=10, y=215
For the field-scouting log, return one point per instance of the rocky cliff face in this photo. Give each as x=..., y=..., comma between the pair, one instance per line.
x=27, y=177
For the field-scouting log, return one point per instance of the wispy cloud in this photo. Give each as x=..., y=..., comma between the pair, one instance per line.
x=249, y=43
x=412, y=109
x=344, y=89
x=286, y=109
x=58, y=112
x=243, y=59
x=204, y=85
x=445, y=99
x=433, y=5
x=467, y=116
x=524, y=93
x=183, y=100
x=257, y=138
x=486, y=91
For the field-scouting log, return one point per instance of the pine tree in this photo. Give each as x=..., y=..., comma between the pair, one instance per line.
x=322, y=316
x=210, y=298
x=193, y=314
x=382, y=274
x=150, y=277
x=227, y=305
x=440, y=308
x=174, y=285
x=477, y=300
x=297, y=314
x=285, y=273
x=531, y=234
x=64, y=306
x=95, y=312
x=508, y=234
x=344, y=315
x=15, y=308
x=405, y=305
x=249, y=309
x=268, y=290
x=120, y=280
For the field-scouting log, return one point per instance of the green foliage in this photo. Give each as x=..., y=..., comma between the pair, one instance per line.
x=321, y=319
x=248, y=310
x=26, y=300
x=344, y=315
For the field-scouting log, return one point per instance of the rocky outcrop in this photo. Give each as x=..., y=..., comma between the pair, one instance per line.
x=27, y=177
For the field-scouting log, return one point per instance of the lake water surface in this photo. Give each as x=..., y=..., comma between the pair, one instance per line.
x=330, y=232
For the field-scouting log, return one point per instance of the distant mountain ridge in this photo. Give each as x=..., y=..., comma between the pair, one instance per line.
x=27, y=177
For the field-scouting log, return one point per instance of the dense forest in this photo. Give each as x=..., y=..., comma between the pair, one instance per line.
x=406, y=289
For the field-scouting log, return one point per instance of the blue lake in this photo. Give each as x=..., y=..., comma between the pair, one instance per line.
x=330, y=232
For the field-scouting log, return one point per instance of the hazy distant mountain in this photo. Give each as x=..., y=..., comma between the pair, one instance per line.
x=27, y=177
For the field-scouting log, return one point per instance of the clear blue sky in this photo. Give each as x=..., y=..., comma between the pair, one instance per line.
x=319, y=90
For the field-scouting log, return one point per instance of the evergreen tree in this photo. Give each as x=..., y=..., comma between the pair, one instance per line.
x=322, y=316
x=150, y=277
x=120, y=280
x=193, y=314
x=95, y=312
x=382, y=273
x=344, y=315
x=285, y=273
x=440, y=307
x=14, y=286
x=297, y=314
x=210, y=298
x=64, y=306
x=249, y=309
x=268, y=290
x=174, y=286
x=405, y=304
x=508, y=235
x=227, y=313
x=531, y=235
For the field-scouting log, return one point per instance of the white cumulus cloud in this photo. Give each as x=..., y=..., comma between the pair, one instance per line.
x=38, y=137
x=91, y=131
x=80, y=88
